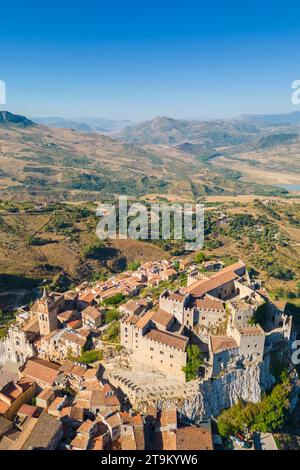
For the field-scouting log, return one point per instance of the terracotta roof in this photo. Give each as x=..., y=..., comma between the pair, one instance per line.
x=74, y=324
x=13, y=390
x=194, y=438
x=86, y=426
x=209, y=303
x=221, y=343
x=38, y=369
x=46, y=394
x=114, y=420
x=162, y=317
x=128, y=443
x=43, y=432
x=251, y=330
x=96, y=443
x=169, y=339
x=203, y=286
x=131, y=306
x=132, y=319
x=80, y=442
x=134, y=419
x=72, y=412
x=73, y=338
x=142, y=321
x=66, y=315
x=199, y=288
x=91, y=312
x=86, y=297
x=179, y=296
x=27, y=410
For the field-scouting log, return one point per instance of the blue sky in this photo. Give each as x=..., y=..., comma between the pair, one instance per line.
x=138, y=59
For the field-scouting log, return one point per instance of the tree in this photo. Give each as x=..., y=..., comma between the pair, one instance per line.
x=134, y=266
x=115, y=299
x=111, y=315
x=265, y=416
x=194, y=361
x=176, y=264
x=87, y=357
x=200, y=257
x=93, y=251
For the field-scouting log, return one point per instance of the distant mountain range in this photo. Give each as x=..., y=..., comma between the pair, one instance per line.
x=162, y=155
x=169, y=131
x=289, y=118
x=84, y=124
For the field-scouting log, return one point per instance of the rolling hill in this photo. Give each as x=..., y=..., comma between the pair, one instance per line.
x=160, y=156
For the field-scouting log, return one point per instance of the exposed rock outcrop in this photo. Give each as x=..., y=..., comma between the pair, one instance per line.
x=214, y=395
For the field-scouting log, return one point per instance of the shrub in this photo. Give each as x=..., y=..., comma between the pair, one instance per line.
x=134, y=266
x=115, y=299
x=194, y=361
x=87, y=357
x=266, y=416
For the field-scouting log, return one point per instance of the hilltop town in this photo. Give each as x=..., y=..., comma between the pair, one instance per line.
x=129, y=363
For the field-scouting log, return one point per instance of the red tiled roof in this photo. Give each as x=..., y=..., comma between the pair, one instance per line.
x=203, y=286
x=169, y=339
x=221, y=343
x=38, y=369
x=194, y=438
x=162, y=317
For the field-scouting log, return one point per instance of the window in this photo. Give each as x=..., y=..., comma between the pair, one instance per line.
x=239, y=317
x=151, y=349
x=171, y=356
x=161, y=352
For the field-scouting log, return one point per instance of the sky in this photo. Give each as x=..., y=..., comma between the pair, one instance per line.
x=139, y=59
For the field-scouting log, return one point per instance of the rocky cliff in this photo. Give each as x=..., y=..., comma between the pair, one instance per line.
x=214, y=395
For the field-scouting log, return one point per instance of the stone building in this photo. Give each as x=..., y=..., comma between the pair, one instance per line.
x=45, y=311
x=19, y=344
x=156, y=348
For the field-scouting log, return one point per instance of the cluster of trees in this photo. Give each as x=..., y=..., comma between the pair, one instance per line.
x=280, y=272
x=115, y=299
x=281, y=293
x=5, y=316
x=134, y=266
x=266, y=416
x=200, y=257
x=111, y=315
x=88, y=357
x=194, y=361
